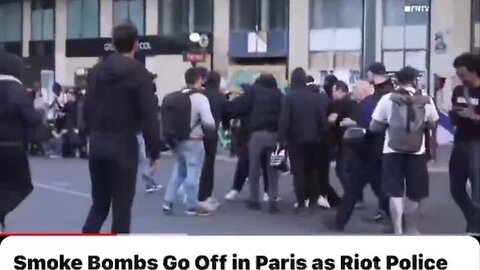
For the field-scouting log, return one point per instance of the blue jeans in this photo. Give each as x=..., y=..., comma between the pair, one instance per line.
x=189, y=157
x=464, y=166
x=144, y=165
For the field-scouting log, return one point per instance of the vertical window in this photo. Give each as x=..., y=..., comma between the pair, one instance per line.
x=336, y=36
x=10, y=21
x=405, y=33
x=185, y=16
x=131, y=10
x=476, y=26
x=43, y=20
x=259, y=15
x=83, y=19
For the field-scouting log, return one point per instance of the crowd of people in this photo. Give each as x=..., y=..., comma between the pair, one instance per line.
x=379, y=133
x=62, y=132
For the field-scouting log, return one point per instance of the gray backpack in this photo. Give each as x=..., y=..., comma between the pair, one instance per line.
x=406, y=126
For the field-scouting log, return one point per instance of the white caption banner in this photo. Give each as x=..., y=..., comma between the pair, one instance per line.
x=242, y=252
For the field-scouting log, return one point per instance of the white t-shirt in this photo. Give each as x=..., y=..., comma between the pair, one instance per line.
x=383, y=113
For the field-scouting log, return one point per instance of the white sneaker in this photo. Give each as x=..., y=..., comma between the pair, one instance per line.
x=323, y=202
x=207, y=206
x=153, y=188
x=231, y=195
x=265, y=197
x=307, y=202
x=213, y=202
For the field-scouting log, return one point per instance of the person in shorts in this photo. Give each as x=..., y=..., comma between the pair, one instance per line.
x=404, y=170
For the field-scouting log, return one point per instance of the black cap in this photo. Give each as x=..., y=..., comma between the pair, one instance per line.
x=377, y=68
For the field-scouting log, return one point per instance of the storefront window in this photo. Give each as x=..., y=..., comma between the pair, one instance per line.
x=259, y=15
x=185, y=16
x=336, y=28
x=10, y=21
x=130, y=10
x=83, y=19
x=43, y=20
x=405, y=33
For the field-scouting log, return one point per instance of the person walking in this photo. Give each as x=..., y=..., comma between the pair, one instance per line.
x=465, y=157
x=17, y=117
x=119, y=102
x=262, y=104
x=240, y=137
x=302, y=127
x=342, y=107
x=382, y=85
x=405, y=114
x=186, y=118
x=358, y=161
x=147, y=174
x=218, y=106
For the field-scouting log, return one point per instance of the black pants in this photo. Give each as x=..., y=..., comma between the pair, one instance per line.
x=361, y=172
x=15, y=181
x=323, y=174
x=464, y=166
x=304, y=168
x=241, y=172
x=113, y=169
x=208, y=171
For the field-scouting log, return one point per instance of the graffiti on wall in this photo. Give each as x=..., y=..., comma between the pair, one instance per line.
x=244, y=75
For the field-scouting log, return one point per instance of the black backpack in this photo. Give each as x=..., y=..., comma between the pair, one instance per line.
x=176, y=117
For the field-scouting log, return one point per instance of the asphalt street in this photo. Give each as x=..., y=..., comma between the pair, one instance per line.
x=61, y=200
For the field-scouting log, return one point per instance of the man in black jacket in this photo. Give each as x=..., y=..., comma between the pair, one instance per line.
x=262, y=103
x=302, y=126
x=240, y=137
x=119, y=102
x=218, y=103
x=17, y=117
x=343, y=106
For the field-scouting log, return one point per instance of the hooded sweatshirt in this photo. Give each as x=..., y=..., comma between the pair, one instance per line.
x=120, y=99
x=17, y=114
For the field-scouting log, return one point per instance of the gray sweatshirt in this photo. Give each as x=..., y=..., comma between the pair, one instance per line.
x=201, y=116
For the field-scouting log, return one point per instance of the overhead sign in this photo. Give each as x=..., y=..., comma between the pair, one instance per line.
x=148, y=45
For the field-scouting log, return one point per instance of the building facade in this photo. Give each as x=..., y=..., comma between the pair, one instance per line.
x=246, y=36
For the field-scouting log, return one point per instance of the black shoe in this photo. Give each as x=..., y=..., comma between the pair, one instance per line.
x=254, y=206
x=167, y=208
x=301, y=211
x=273, y=207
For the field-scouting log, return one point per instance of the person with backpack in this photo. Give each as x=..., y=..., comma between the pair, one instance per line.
x=17, y=118
x=119, y=102
x=302, y=126
x=186, y=118
x=405, y=114
x=465, y=157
